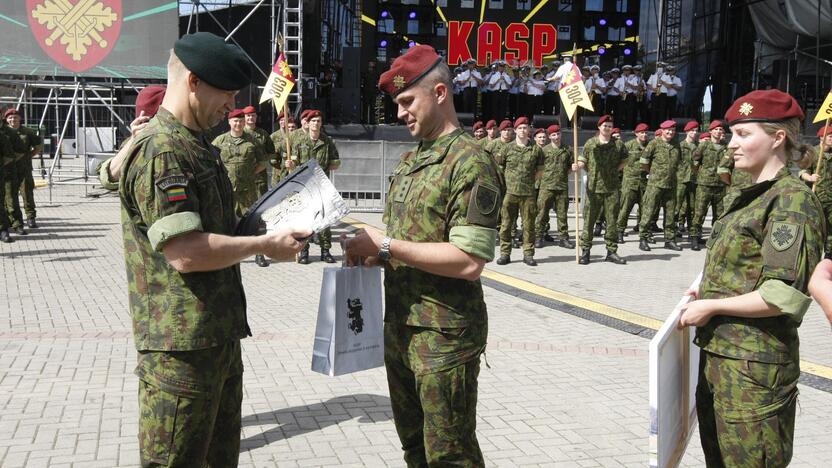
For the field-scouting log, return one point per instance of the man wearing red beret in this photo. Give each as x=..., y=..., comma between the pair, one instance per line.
x=492, y=130
x=262, y=140
x=31, y=143
x=506, y=130
x=280, y=164
x=521, y=162
x=243, y=160
x=554, y=189
x=479, y=132
x=709, y=188
x=441, y=215
x=686, y=180
x=660, y=160
x=6, y=163
x=603, y=158
x=634, y=182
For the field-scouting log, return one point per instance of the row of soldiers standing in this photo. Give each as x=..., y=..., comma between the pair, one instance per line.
x=684, y=179
x=247, y=151
x=18, y=145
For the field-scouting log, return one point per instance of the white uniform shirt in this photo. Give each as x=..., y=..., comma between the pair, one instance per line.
x=617, y=88
x=500, y=81
x=595, y=80
x=554, y=84
x=468, y=78
x=667, y=81
x=535, y=87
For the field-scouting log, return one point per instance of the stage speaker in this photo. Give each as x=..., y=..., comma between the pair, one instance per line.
x=681, y=122
x=466, y=119
x=544, y=121
x=589, y=122
x=346, y=105
x=351, y=74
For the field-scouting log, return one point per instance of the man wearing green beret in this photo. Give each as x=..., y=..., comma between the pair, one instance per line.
x=185, y=291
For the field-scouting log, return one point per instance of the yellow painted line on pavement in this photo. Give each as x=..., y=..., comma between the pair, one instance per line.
x=816, y=369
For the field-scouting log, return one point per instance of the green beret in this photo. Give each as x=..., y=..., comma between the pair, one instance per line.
x=215, y=62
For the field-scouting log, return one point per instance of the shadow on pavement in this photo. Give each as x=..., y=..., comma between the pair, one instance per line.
x=644, y=257
x=300, y=420
x=29, y=253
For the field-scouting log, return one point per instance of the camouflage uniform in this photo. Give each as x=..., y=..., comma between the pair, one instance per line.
x=769, y=240
x=241, y=157
x=264, y=142
x=634, y=184
x=554, y=189
x=435, y=326
x=325, y=152
x=186, y=326
x=663, y=159
x=824, y=191
x=278, y=163
x=739, y=178
x=6, y=162
x=685, y=185
x=519, y=164
x=14, y=176
x=709, y=189
x=602, y=161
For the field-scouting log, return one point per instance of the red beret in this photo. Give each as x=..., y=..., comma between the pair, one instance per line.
x=770, y=105
x=715, y=124
x=705, y=136
x=10, y=111
x=553, y=129
x=828, y=131
x=658, y=132
x=312, y=113
x=521, y=121
x=616, y=130
x=604, y=119
x=305, y=114
x=505, y=124
x=667, y=124
x=149, y=100
x=642, y=127
x=692, y=125
x=491, y=124
x=478, y=125
x=408, y=69
x=235, y=113
x=249, y=110
x=539, y=130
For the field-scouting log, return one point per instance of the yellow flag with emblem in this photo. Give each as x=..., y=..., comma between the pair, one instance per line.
x=572, y=89
x=825, y=112
x=280, y=83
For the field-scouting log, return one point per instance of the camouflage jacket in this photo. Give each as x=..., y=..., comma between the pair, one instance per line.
x=824, y=183
x=558, y=163
x=684, y=173
x=493, y=147
x=706, y=158
x=602, y=161
x=633, y=175
x=663, y=159
x=323, y=150
x=769, y=239
x=264, y=141
x=173, y=183
x=7, y=155
x=445, y=191
x=241, y=157
x=520, y=165
x=17, y=143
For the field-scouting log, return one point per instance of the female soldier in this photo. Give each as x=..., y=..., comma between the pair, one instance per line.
x=753, y=293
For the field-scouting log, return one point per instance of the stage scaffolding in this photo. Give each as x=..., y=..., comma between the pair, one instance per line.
x=83, y=120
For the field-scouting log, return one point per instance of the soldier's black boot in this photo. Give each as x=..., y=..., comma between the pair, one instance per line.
x=672, y=245
x=643, y=245
x=614, y=258
x=303, y=259
x=538, y=243
x=515, y=244
x=261, y=261
x=20, y=230
x=326, y=256
x=584, y=259
x=31, y=223
x=695, y=244
x=5, y=237
x=529, y=260
x=503, y=260
x=655, y=228
x=597, y=230
x=565, y=242
x=635, y=229
x=548, y=237
x=620, y=237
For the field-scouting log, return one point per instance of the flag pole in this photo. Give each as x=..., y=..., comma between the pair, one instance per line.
x=578, y=171
x=822, y=150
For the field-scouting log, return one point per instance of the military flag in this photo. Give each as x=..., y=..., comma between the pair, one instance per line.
x=572, y=90
x=280, y=83
x=825, y=112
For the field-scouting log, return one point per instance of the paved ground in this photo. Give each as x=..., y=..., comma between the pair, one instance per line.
x=559, y=391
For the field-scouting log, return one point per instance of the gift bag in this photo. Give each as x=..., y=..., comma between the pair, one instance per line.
x=349, y=335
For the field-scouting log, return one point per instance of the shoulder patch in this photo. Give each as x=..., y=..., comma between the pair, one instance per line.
x=783, y=235
x=172, y=181
x=484, y=205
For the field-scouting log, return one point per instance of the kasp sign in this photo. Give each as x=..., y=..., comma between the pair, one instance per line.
x=521, y=42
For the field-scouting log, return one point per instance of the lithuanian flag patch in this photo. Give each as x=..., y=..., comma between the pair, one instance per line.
x=173, y=187
x=176, y=194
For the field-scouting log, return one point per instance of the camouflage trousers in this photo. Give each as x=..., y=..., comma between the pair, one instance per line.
x=654, y=199
x=685, y=202
x=827, y=213
x=545, y=199
x=432, y=377
x=526, y=207
x=190, y=407
x=261, y=183
x=243, y=199
x=325, y=239
x=12, y=179
x=631, y=194
x=706, y=196
x=746, y=411
x=597, y=203
x=4, y=217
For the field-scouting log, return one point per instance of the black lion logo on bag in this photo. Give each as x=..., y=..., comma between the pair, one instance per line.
x=356, y=322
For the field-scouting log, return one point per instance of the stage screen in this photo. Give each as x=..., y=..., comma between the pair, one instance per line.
x=90, y=38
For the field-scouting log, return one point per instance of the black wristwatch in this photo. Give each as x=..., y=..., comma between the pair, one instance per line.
x=384, y=253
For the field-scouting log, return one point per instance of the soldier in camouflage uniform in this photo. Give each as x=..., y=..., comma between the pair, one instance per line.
x=660, y=160
x=554, y=189
x=823, y=182
x=506, y=137
x=280, y=166
x=243, y=160
x=441, y=215
x=634, y=182
x=603, y=158
x=709, y=188
x=319, y=146
x=14, y=176
x=184, y=286
x=32, y=143
x=753, y=293
x=479, y=133
x=520, y=161
x=686, y=179
x=6, y=160
x=261, y=138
